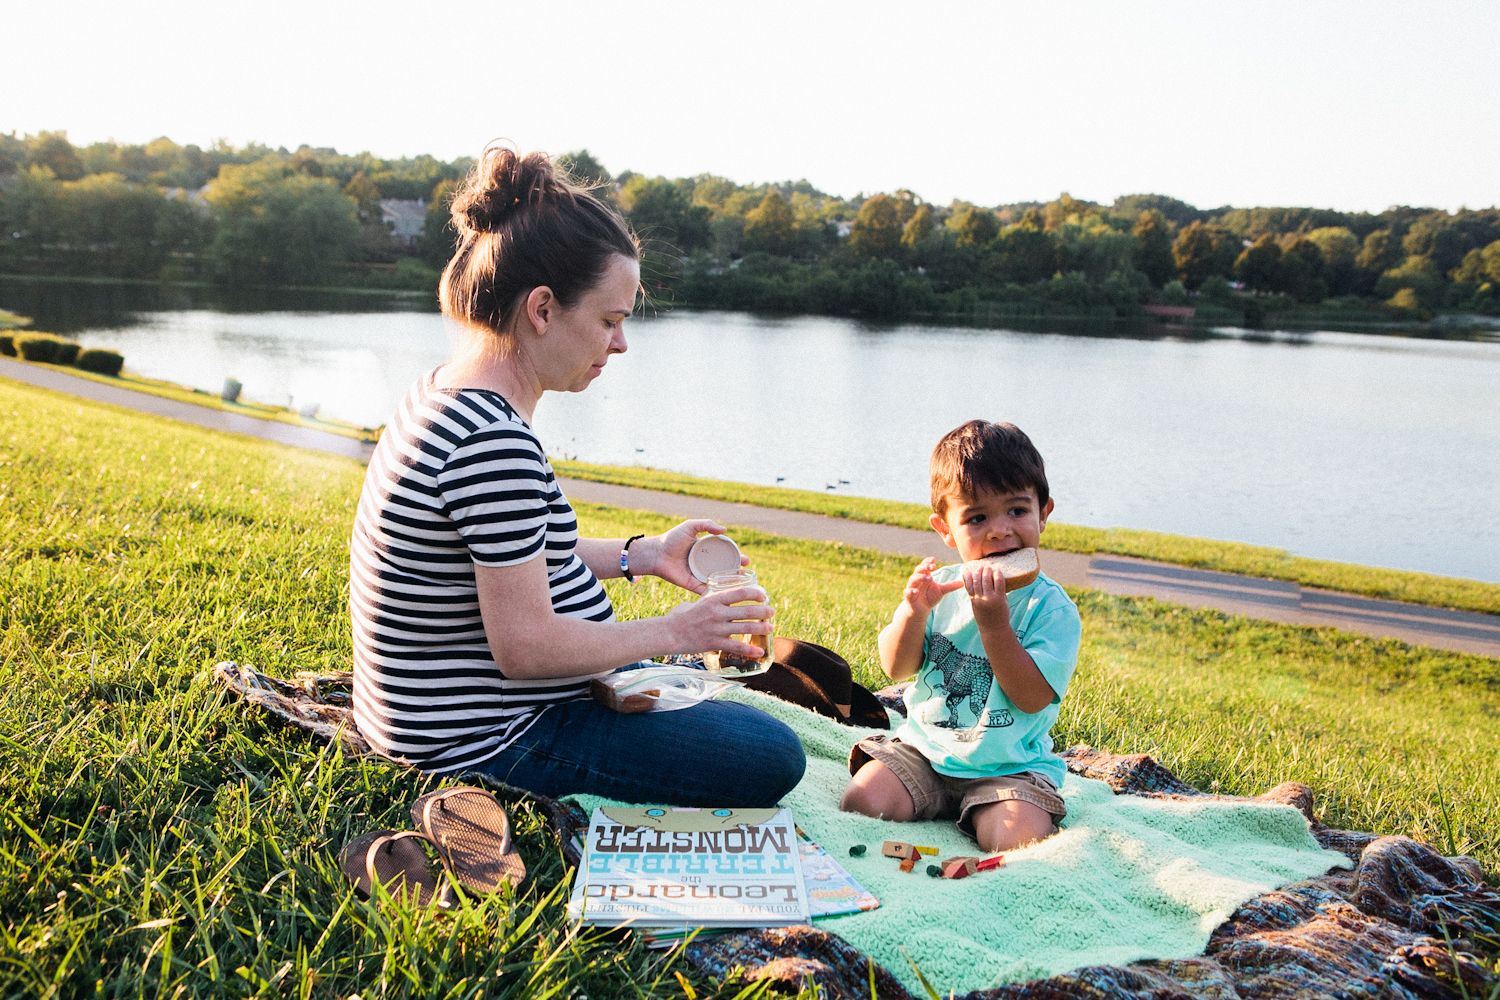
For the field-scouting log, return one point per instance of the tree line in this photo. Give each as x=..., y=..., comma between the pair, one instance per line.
x=254, y=215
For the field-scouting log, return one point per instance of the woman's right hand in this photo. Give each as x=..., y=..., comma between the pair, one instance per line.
x=706, y=624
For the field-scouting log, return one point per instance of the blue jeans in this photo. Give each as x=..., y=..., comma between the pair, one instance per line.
x=712, y=754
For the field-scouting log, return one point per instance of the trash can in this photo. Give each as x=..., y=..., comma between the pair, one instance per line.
x=231, y=390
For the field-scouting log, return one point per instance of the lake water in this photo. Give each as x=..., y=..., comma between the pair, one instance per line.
x=1361, y=448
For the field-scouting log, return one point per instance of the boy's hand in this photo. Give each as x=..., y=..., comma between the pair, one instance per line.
x=985, y=585
x=923, y=592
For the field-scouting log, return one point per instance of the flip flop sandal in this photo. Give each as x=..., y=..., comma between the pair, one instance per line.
x=472, y=834
x=396, y=861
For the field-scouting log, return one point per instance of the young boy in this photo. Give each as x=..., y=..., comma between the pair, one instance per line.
x=990, y=668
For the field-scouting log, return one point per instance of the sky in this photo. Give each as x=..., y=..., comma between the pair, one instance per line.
x=1349, y=105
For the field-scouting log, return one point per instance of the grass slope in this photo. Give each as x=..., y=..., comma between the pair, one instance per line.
x=202, y=397
x=1227, y=557
x=157, y=839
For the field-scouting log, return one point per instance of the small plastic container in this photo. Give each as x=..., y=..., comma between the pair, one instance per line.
x=733, y=665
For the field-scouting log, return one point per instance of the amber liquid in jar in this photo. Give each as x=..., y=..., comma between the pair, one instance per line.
x=733, y=664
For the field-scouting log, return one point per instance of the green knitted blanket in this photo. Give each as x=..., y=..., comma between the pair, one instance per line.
x=1128, y=877
x=1404, y=921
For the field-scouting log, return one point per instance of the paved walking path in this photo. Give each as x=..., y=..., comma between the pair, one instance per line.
x=1273, y=600
x=192, y=413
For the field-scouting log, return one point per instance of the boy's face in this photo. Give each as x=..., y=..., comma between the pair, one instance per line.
x=992, y=523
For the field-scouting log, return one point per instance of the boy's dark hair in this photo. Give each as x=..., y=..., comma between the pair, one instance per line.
x=522, y=223
x=980, y=455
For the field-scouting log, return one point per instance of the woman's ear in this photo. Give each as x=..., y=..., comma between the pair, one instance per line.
x=541, y=308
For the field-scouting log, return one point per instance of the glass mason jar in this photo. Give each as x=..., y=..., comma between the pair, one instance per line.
x=733, y=664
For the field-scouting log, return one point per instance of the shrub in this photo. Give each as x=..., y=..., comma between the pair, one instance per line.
x=101, y=361
x=38, y=346
x=67, y=352
x=1216, y=289
x=1406, y=301
x=1174, y=293
x=412, y=273
x=7, y=345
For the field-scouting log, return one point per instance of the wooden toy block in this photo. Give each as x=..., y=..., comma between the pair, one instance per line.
x=991, y=863
x=910, y=862
x=924, y=849
x=961, y=867
x=898, y=849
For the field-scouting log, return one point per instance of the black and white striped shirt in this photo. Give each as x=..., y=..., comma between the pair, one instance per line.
x=458, y=479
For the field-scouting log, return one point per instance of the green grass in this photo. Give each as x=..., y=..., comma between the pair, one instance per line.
x=157, y=838
x=202, y=397
x=1226, y=557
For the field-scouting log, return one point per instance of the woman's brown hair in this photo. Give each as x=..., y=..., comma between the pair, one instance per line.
x=522, y=224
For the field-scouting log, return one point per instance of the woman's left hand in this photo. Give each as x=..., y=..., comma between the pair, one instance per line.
x=666, y=554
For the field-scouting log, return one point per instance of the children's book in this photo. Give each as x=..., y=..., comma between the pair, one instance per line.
x=831, y=890
x=673, y=868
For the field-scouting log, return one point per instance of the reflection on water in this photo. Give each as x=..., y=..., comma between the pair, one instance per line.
x=1355, y=447
x=71, y=307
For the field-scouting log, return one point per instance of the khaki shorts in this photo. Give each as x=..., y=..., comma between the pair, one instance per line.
x=938, y=796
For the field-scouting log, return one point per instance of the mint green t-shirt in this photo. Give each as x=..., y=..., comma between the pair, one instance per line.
x=956, y=713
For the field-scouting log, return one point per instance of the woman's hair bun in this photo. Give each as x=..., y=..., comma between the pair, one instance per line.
x=502, y=182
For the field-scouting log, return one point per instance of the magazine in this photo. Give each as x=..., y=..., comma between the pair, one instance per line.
x=673, y=868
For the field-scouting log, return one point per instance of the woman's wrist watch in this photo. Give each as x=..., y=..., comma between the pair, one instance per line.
x=625, y=558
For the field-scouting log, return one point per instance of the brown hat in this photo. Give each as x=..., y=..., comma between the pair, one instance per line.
x=817, y=678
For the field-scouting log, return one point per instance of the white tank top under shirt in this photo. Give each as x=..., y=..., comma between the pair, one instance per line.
x=458, y=479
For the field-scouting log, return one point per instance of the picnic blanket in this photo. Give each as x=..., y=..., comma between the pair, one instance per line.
x=1128, y=877
x=1380, y=928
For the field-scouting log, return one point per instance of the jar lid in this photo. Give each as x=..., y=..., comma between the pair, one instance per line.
x=712, y=554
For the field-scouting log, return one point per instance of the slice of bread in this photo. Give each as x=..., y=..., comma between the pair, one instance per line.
x=628, y=704
x=1020, y=567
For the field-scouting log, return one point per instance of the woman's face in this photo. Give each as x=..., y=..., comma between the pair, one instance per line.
x=593, y=328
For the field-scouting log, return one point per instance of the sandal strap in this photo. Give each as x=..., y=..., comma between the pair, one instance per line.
x=383, y=843
x=362, y=868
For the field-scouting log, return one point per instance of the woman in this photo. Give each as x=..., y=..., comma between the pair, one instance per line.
x=478, y=614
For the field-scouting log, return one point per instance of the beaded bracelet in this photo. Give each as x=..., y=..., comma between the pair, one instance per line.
x=625, y=558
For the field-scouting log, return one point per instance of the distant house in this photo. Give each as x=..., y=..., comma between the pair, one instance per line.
x=404, y=217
